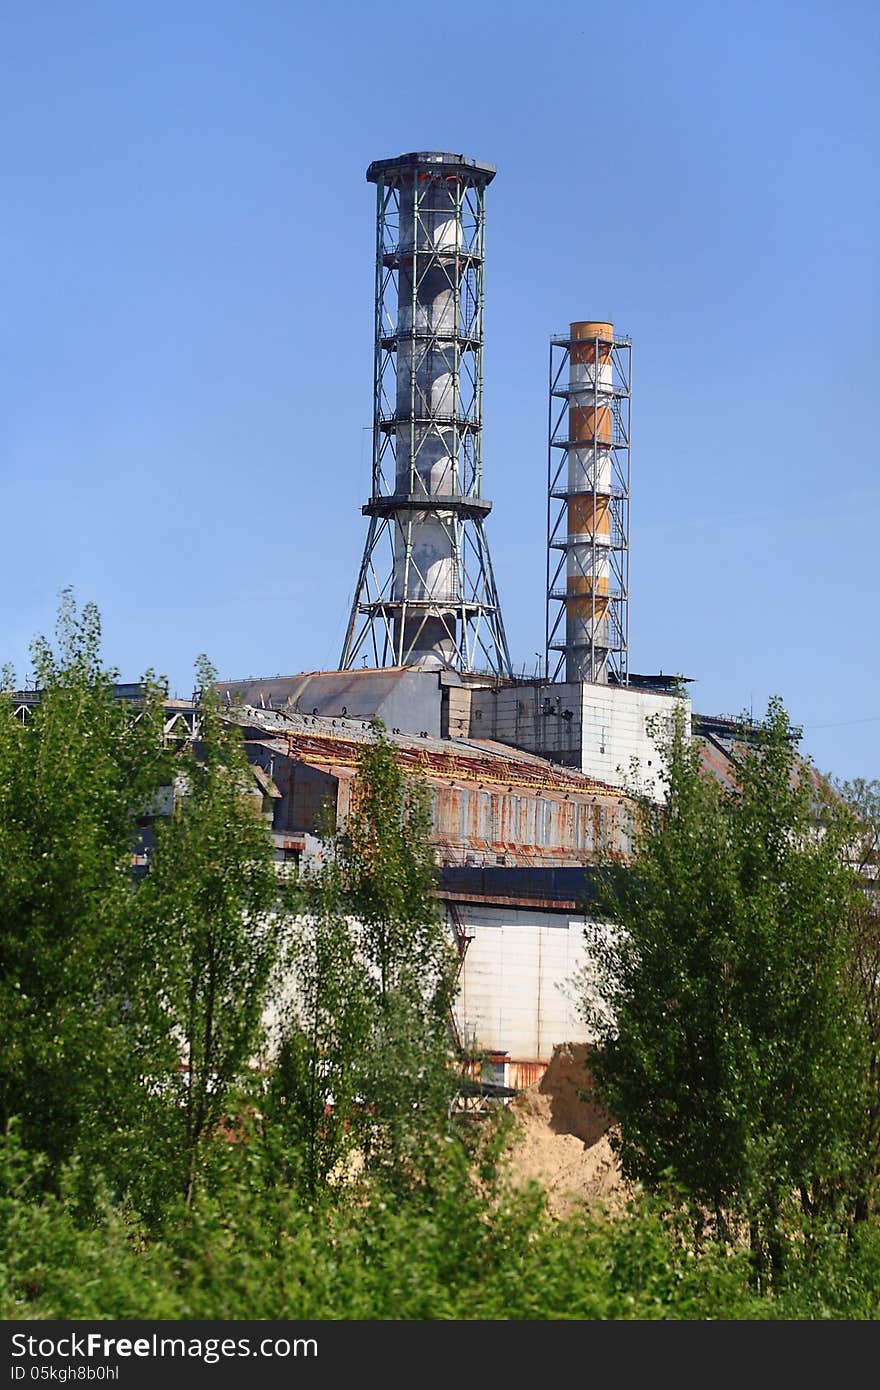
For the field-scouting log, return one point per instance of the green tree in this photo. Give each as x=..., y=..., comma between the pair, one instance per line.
x=862, y=801
x=74, y=777
x=209, y=914
x=313, y=1098
x=389, y=871
x=731, y=1050
x=366, y=1054
x=130, y=1008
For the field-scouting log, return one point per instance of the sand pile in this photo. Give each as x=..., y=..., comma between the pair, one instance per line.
x=561, y=1136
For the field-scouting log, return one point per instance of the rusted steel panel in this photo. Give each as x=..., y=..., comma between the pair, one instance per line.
x=488, y=804
x=518, y=829
x=521, y=1074
x=518, y=1072
x=500, y=900
x=310, y=789
x=468, y=765
x=717, y=764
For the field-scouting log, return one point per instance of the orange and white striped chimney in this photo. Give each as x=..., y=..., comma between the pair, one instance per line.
x=590, y=481
x=589, y=500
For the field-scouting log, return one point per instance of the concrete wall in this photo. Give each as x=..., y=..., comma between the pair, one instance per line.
x=538, y=717
x=517, y=993
x=455, y=717
x=517, y=990
x=412, y=704
x=597, y=728
x=616, y=726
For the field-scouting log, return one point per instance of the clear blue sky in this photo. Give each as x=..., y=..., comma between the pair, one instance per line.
x=186, y=245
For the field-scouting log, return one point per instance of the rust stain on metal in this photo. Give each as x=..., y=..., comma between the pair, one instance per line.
x=717, y=764
x=326, y=749
x=518, y=1073
x=501, y=900
x=489, y=804
x=523, y=1074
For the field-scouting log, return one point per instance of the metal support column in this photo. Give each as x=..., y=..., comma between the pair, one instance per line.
x=426, y=593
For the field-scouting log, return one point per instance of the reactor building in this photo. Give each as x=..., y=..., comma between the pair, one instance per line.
x=527, y=777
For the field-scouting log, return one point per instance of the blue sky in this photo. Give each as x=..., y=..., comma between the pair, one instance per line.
x=186, y=244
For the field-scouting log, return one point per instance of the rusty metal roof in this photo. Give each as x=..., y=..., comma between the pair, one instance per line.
x=328, y=742
x=717, y=762
x=724, y=743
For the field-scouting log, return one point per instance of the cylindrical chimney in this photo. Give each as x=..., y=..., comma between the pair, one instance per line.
x=589, y=500
x=438, y=605
x=588, y=503
x=426, y=454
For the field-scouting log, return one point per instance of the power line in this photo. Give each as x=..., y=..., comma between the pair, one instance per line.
x=870, y=719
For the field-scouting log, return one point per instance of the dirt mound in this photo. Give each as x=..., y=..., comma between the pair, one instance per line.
x=561, y=1136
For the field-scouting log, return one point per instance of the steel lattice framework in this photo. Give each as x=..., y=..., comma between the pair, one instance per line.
x=588, y=492
x=426, y=593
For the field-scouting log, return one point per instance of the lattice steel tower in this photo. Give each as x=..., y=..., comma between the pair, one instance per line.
x=426, y=593
x=588, y=475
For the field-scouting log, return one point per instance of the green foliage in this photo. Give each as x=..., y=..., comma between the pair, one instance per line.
x=365, y=1060
x=208, y=926
x=108, y=984
x=73, y=780
x=861, y=802
x=732, y=1054
x=54, y=1265
x=313, y=1094
x=449, y=1249
x=133, y=1010
x=389, y=873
